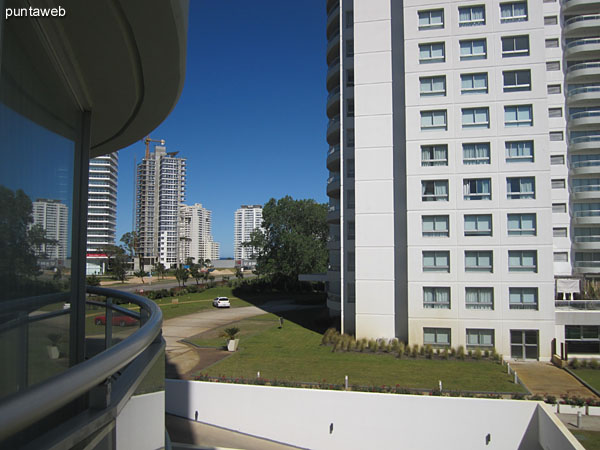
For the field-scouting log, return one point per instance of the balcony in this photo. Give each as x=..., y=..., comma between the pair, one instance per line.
x=333, y=215
x=590, y=167
x=586, y=192
x=333, y=49
x=333, y=186
x=584, y=120
x=577, y=305
x=586, y=242
x=580, y=6
x=333, y=158
x=333, y=103
x=587, y=267
x=583, y=72
x=333, y=21
x=333, y=243
x=333, y=74
x=586, y=48
x=96, y=389
x=584, y=143
x=589, y=217
x=333, y=131
x=582, y=96
x=585, y=25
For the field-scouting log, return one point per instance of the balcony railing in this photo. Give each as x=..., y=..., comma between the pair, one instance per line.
x=583, y=90
x=131, y=357
x=582, y=114
x=580, y=42
x=579, y=305
x=582, y=19
x=583, y=139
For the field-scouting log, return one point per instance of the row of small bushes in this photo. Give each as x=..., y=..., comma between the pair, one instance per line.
x=175, y=291
x=584, y=364
x=347, y=343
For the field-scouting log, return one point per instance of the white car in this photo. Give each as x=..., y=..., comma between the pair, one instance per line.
x=221, y=302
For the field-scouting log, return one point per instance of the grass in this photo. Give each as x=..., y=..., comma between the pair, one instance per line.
x=589, y=439
x=294, y=353
x=248, y=328
x=590, y=376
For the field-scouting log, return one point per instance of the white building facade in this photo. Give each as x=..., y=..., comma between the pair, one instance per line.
x=160, y=190
x=247, y=219
x=102, y=210
x=196, y=240
x=53, y=217
x=450, y=191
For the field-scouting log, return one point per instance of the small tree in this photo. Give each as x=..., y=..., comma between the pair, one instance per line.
x=160, y=270
x=230, y=333
x=195, y=273
x=140, y=274
x=181, y=275
x=238, y=273
x=92, y=280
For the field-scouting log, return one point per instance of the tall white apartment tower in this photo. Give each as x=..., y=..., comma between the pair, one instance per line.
x=53, y=217
x=160, y=190
x=102, y=209
x=196, y=240
x=247, y=219
x=463, y=168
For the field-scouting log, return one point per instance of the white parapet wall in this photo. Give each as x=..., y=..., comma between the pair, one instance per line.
x=319, y=419
x=141, y=423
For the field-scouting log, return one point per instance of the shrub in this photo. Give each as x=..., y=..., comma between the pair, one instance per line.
x=400, y=349
x=336, y=345
x=326, y=339
x=470, y=353
x=381, y=345
x=429, y=351
x=422, y=350
x=372, y=345
x=352, y=344
x=415, y=351
x=574, y=363
x=452, y=351
x=536, y=397
x=593, y=364
x=518, y=396
x=477, y=354
x=486, y=354
x=92, y=280
x=361, y=345
x=230, y=333
x=394, y=346
x=460, y=352
x=445, y=353
x=550, y=399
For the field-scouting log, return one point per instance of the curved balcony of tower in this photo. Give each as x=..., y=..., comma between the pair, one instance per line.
x=333, y=158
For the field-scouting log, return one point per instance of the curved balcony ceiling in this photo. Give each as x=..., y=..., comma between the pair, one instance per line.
x=585, y=121
x=584, y=72
x=586, y=220
x=584, y=96
x=584, y=25
x=333, y=132
x=333, y=188
x=125, y=62
x=333, y=103
x=333, y=75
x=333, y=20
x=584, y=48
x=586, y=245
x=333, y=160
x=580, y=6
x=585, y=170
x=333, y=49
x=332, y=218
x=586, y=195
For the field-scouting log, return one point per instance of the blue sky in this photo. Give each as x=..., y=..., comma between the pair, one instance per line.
x=251, y=119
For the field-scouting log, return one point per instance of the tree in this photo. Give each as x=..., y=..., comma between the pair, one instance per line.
x=130, y=239
x=294, y=239
x=160, y=269
x=117, y=261
x=238, y=273
x=181, y=275
x=195, y=273
x=189, y=261
x=141, y=274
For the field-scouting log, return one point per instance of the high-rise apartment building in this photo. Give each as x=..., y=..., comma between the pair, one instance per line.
x=247, y=219
x=53, y=217
x=464, y=159
x=160, y=190
x=196, y=240
x=102, y=210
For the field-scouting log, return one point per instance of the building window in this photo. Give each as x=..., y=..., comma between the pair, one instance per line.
x=586, y=185
x=436, y=261
x=476, y=117
x=559, y=232
x=552, y=65
x=519, y=151
x=351, y=291
x=551, y=20
x=350, y=48
x=522, y=224
x=474, y=83
x=350, y=108
x=587, y=259
x=584, y=160
x=523, y=298
x=349, y=77
x=433, y=120
x=471, y=16
x=349, y=19
x=473, y=49
x=438, y=337
x=552, y=43
x=556, y=136
x=351, y=230
x=558, y=183
x=479, y=298
x=513, y=12
x=435, y=226
x=478, y=225
x=517, y=80
x=477, y=189
x=555, y=112
x=479, y=261
x=559, y=207
x=582, y=339
x=557, y=160
x=350, y=168
x=561, y=257
x=480, y=338
x=351, y=261
x=434, y=190
x=434, y=155
x=433, y=18
x=515, y=46
x=436, y=297
x=478, y=153
x=432, y=53
x=433, y=86
x=518, y=116
x=520, y=188
x=554, y=89
x=522, y=260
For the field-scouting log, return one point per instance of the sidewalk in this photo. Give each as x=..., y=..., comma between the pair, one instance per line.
x=544, y=378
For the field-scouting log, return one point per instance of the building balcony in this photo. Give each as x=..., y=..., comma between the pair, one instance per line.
x=584, y=25
x=333, y=243
x=590, y=217
x=333, y=103
x=333, y=21
x=331, y=4
x=333, y=74
x=587, y=192
x=586, y=242
x=580, y=6
x=584, y=120
x=333, y=48
x=582, y=96
x=584, y=143
x=333, y=214
x=583, y=72
x=585, y=267
x=333, y=158
x=333, y=131
x=333, y=186
x=585, y=48
x=577, y=305
x=584, y=168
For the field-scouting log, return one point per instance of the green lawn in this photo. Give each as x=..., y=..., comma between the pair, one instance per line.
x=589, y=439
x=590, y=376
x=294, y=353
x=248, y=327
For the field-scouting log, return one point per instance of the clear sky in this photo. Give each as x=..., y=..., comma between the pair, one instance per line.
x=251, y=118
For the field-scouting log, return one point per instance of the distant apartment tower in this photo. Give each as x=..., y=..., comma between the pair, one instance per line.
x=160, y=190
x=102, y=210
x=464, y=159
x=53, y=217
x=247, y=219
x=195, y=236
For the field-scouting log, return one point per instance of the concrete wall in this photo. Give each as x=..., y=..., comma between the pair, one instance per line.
x=355, y=420
x=141, y=423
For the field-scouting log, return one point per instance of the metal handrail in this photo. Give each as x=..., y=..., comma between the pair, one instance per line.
x=41, y=400
x=582, y=18
x=585, y=41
